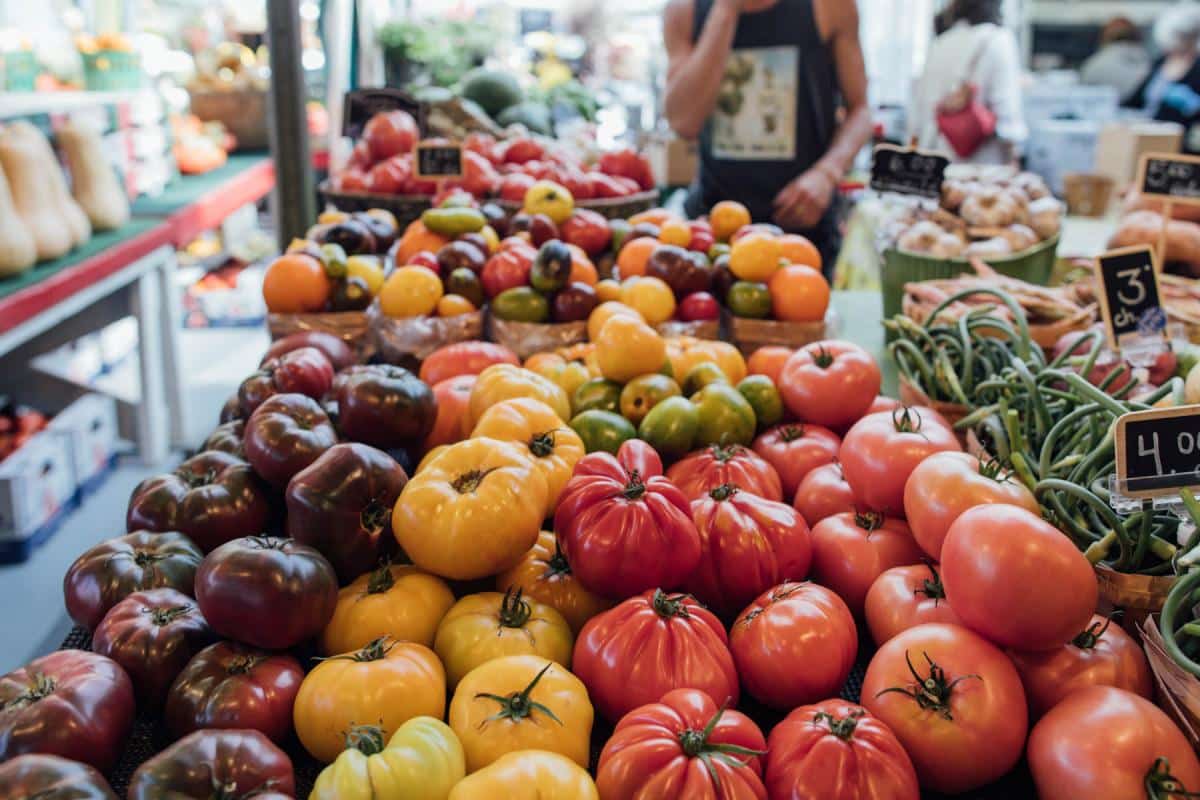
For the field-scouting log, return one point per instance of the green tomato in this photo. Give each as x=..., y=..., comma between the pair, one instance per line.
x=333, y=256
x=602, y=430
x=670, y=427
x=645, y=392
x=620, y=232
x=763, y=397
x=521, y=304
x=717, y=250
x=597, y=394
x=453, y=221
x=702, y=375
x=1188, y=357
x=725, y=417
x=749, y=300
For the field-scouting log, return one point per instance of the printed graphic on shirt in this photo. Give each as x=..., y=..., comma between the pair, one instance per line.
x=755, y=118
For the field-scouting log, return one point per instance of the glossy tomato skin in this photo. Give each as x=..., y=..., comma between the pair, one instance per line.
x=790, y=624
x=340, y=354
x=305, y=370
x=152, y=635
x=464, y=358
x=993, y=555
x=544, y=574
x=969, y=730
x=384, y=406
x=118, y=567
x=227, y=437
x=748, y=544
x=267, y=592
x=904, y=597
x=211, y=497
x=1102, y=743
x=229, y=685
x=1101, y=655
x=823, y=493
x=284, y=435
x=945, y=485
x=341, y=504
x=795, y=450
x=717, y=465
x=52, y=778
x=851, y=550
x=656, y=752
x=71, y=703
x=244, y=763
x=881, y=451
x=836, y=750
x=829, y=383
x=648, y=645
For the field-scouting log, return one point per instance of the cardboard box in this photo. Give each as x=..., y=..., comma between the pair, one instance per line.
x=1056, y=148
x=675, y=161
x=36, y=483
x=89, y=427
x=1122, y=144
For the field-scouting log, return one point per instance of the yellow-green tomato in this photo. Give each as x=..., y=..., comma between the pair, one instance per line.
x=422, y=761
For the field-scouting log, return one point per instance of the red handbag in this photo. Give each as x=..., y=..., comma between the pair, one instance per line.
x=962, y=118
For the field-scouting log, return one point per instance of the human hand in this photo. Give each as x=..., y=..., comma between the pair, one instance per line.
x=802, y=203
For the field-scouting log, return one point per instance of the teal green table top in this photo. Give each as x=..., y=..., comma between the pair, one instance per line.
x=187, y=189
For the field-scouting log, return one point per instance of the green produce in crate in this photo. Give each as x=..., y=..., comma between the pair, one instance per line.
x=763, y=397
x=493, y=90
x=645, y=392
x=749, y=300
x=533, y=115
x=602, y=430
x=453, y=221
x=725, y=417
x=670, y=427
x=599, y=394
x=702, y=375
x=521, y=304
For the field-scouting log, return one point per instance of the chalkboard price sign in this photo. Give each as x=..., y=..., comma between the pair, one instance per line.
x=437, y=160
x=904, y=170
x=1170, y=176
x=1158, y=452
x=1129, y=298
x=362, y=104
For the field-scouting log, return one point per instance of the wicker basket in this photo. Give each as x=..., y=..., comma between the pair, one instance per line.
x=1139, y=595
x=751, y=334
x=407, y=342
x=701, y=329
x=1088, y=195
x=243, y=112
x=406, y=208
x=610, y=207
x=527, y=338
x=349, y=326
x=1178, y=689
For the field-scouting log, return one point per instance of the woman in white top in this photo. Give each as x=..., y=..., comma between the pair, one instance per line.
x=972, y=47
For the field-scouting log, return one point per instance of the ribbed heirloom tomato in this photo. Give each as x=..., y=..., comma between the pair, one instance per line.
x=851, y=550
x=823, y=493
x=393, y=600
x=422, y=759
x=549, y=442
x=718, y=465
x=464, y=358
x=504, y=382
x=830, y=383
x=904, y=597
x=795, y=450
x=527, y=775
x=545, y=574
x=882, y=450
x=453, y=422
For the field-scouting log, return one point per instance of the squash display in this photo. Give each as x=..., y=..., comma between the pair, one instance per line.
x=69, y=212
x=18, y=251
x=35, y=202
x=94, y=183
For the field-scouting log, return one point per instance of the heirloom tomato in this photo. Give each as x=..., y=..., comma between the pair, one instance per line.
x=227, y=437
x=823, y=493
x=717, y=465
x=955, y=702
x=505, y=382
x=791, y=624
x=340, y=354
x=398, y=601
x=305, y=371
x=388, y=682
x=836, y=750
x=724, y=417
x=685, y=643
x=384, y=406
x=284, y=435
x=602, y=431
x=643, y=393
x=42, y=777
x=763, y=397
x=528, y=775
x=795, y=450
x=453, y=398
x=546, y=439
x=464, y=358
x=851, y=550
x=472, y=510
x=829, y=383
x=670, y=427
x=521, y=702
x=904, y=597
x=881, y=451
x=685, y=352
x=684, y=747
x=243, y=765
x=545, y=575
x=423, y=761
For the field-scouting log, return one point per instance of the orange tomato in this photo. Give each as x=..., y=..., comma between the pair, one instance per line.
x=634, y=255
x=295, y=284
x=452, y=424
x=799, y=294
x=727, y=217
x=768, y=361
x=655, y=216
x=608, y=289
x=755, y=257
x=451, y=305
x=686, y=352
x=415, y=239
x=606, y=311
x=675, y=232
x=582, y=268
x=650, y=297
x=797, y=249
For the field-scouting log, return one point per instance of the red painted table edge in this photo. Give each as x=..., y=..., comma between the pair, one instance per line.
x=210, y=210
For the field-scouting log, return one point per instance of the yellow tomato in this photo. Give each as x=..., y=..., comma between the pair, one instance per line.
x=608, y=290
x=387, y=682
x=685, y=352
x=550, y=198
x=422, y=761
x=451, y=305
x=544, y=574
x=432, y=454
x=394, y=600
x=606, y=311
x=528, y=775
x=410, y=292
x=369, y=268
x=491, y=237
x=471, y=511
x=727, y=218
x=675, y=232
x=755, y=257
x=650, y=297
x=547, y=440
x=501, y=382
x=332, y=217
x=627, y=348
x=521, y=703
x=567, y=375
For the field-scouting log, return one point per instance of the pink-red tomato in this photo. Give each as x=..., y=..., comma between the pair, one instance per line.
x=823, y=493
x=1016, y=579
x=795, y=450
x=851, y=550
x=947, y=484
x=464, y=358
x=390, y=133
x=883, y=403
x=508, y=269
x=904, y=597
x=716, y=465
x=882, y=450
x=791, y=625
x=954, y=701
x=829, y=383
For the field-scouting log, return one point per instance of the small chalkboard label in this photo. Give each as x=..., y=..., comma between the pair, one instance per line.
x=438, y=160
x=1170, y=176
x=362, y=104
x=1158, y=452
x=1129, y=298
x=904, y=170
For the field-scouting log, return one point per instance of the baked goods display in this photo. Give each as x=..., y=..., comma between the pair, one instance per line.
x=1146, y=227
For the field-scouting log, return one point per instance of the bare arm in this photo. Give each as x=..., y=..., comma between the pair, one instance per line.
x=694, y=71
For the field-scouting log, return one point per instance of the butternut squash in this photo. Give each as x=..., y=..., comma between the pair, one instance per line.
x=94, y=183
x=17, y=249
x=40, y=176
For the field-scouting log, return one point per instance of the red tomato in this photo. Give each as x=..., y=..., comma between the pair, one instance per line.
x=851, y=550
x=947, y=484
x=507, y=269
x=698, y=306
x=1102, y=655
x=702, y=236
x=604, y=186
x=882, y=450
x=683, y=747
x=883, y=403
x=995, y=557
x=795, y=450
x=426, y=259
x=829, y=383
x=479, y=176
x=523, y=149
x=484, y=144
x=716, y=465
x=514, y=186
x=1108, y=744
x=352, y=179
x=823, y=493
x=835, y=750
x=453, y=423
x=390, y=133
x=904, y=597
x=628, y=164
x=587, y=230
x=576, y=182
x=954, y=701
x=648, y=645
x=790, y=625
x=360, y=156
x=464, y=358
x=748, y=544
x=390, y=176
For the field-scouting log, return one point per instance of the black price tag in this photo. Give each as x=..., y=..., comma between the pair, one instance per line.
x=1158, y=452
x=1170, y=176
x=1129, y=296
x=437, y=160
x=904, y=170
x=362, y=104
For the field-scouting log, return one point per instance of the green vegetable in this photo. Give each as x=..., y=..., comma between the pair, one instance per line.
x=521, y=304
x=493, y=90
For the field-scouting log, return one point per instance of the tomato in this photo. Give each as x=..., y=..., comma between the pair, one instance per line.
x=947, y=484
x=505, y=381
x=599, y=394
x=823, y=493
x=799, y=293
x=795, y=450
x=992, y=558
x=836, y=750
x=683, y=747
x=390, y=133
x=549, y=198
x=628, y=164
x=508, y=269
x=698, y=307
x=390, y=175
x=749, y=300
x=340, y=354
x=764, y=398
x=701, y=375
x=904, y=597
x=670, y=427
x=587, y=230
x=851, y=550
x=479, y=176
x=626, y=530
x=52, y=778
x=422, y=759
x=769, y=361
x=881, y=451
x=528, y=775
x=388, y=682
x=714, y=466
x=794, y=623
x=384, y=406
x=243, y=764
x=1108, y=744
x=295, y=283
x=545, y=575
x=725, y=416
x=284, y=435
x=522, y=149
x=728, y=217
x=643, y=393
x=452, y=424
x=546, y=440
x=755, y=257
x=651, y=297
x=602, y=431
x=393, y=600
x=305, y=371
x=684, y=641
x=829, y=383
x=510, y=703
x=464, y=358
x=953, y=700
x=626, y=347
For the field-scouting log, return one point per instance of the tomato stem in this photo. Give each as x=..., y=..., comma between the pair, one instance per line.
x=366, y=739
x=165, y=616
x=1162, y=785
x=1088, y=639
x=695, y=744
x=374, y=515
x=868, y=520
x=381, y=579
x=244, y=663
x=469, y=481
x=514, y=611
x=557, y=565
x=542, y=444
x=723, y=492
x=931, y=692
x=843, y=727
x=667, y=606
x=635, y=488
x=43, y=686
x=932, y=587
x=144, y=558
x=906, y=419
x=195, y=480
x=723, y=453
x=822, y=358
x=374, y=650
x=790, y=433
x=518, y=705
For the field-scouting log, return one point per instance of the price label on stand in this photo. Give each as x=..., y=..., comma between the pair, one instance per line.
x=1129, y=298
x=362, y=104
x=1170, y=176
x=906, y=170
x=1158, y=452
x=438, y=160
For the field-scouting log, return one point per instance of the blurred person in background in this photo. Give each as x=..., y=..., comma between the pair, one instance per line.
x=776, y=92
x=1122, y=60
x=1171, y=93
x=974, y=56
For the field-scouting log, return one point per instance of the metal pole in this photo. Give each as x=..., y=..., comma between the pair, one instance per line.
x=295, y=205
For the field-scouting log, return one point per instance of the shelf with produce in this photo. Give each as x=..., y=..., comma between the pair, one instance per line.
x=26, y=104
